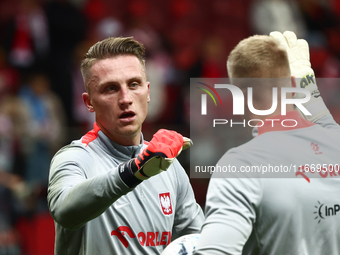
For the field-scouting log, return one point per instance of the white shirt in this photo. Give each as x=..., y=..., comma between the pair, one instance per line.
x=296, y=213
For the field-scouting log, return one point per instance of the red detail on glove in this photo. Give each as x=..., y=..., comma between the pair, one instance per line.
x=137, y=161
x=166, y=141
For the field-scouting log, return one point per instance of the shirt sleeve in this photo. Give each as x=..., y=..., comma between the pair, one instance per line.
x=73, y=198
x=230, y=213
x=328, y=121
x=189, y=215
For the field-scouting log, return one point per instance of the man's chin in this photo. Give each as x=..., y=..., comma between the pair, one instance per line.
x=129, y=131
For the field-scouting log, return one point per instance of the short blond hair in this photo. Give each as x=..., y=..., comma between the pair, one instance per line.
x=108, y=48
x=258, y=56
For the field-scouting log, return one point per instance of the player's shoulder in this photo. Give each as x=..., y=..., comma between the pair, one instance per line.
x=293, y=137
x=283, y=142
x=74, y=151
x=262, y=145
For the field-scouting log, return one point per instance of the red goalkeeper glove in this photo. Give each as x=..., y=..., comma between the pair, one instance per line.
x=163, y=148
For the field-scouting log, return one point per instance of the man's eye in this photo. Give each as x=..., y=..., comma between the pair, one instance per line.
x=134, y=84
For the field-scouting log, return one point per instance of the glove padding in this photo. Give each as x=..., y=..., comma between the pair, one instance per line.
x=163, y=148
x=300, y=67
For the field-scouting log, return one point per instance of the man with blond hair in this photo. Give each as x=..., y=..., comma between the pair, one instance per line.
x=294, y=212
x=100, y=192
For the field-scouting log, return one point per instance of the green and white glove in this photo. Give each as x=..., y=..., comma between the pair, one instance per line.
x=300, y=68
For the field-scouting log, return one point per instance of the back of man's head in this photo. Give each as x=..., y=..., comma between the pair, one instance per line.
x=260, y=62
x=108, y=48
x=258, y=56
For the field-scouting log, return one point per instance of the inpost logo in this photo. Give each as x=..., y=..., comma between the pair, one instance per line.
x=323, y=211
x=239, y=104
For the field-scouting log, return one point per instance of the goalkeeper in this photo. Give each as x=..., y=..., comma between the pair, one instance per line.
x=111, y=192
x=295, y=213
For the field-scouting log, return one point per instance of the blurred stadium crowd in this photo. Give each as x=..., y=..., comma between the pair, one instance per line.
x=43, y=41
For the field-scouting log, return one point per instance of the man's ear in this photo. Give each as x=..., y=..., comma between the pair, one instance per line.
x=148, y=84
x=87, y=102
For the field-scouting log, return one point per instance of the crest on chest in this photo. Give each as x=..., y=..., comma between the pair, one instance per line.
x=165, y=203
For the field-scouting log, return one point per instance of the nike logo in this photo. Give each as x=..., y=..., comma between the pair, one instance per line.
x=120, y=206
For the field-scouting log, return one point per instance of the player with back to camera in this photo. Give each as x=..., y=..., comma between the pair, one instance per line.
x=248, y=214
x=100, y=192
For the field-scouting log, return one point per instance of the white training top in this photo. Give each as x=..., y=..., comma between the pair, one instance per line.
x=296, y=213
x=95, y=212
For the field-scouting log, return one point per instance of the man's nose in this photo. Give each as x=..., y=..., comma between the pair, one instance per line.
x=125, y=97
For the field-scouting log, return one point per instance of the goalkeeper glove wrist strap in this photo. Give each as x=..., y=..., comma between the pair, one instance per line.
x=126, y=174
x=318, y=109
